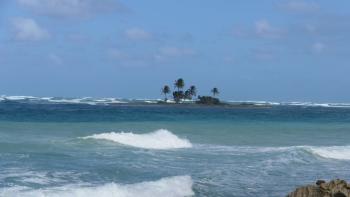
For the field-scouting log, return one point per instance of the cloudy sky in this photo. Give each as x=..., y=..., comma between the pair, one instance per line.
x=278, y=50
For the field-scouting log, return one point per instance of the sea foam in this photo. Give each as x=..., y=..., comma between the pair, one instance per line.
x=177, y=186
x=159, y=139
x=332, y=152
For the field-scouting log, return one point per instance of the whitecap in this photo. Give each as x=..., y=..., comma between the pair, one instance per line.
x=258, y=103
x=331, y=152
x=328, y=152
x=152, y=102
x=159, y=139
x=311, y=104
x=177, y=186
x=17, y=98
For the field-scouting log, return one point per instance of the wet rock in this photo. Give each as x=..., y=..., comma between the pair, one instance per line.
x=334, y=188
x=319, y=182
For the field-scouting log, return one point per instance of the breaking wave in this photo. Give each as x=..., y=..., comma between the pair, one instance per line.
x=327, y=152
x=62, y=100
x=177, y=186
x=111, y=101
x=332, y=152
x=159, y=139
x=301, y=104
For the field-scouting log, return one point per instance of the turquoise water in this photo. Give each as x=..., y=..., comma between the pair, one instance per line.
x=151, y=150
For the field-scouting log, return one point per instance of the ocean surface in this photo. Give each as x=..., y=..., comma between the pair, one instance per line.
x=114, y=147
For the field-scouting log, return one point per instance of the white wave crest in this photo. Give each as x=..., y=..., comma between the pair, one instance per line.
x=328, y=152
x=16, y=98
x=177, y=186
x=254, y=102
x=159, y=139
x=111, y=101
x=331, y=152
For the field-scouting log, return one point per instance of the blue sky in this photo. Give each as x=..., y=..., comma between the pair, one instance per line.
x=279, y=50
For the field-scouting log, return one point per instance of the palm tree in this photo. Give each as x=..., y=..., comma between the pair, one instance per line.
x=188, y=94
x=179, y=84
x=165, y=91
x=215, y=91
x=193, y=91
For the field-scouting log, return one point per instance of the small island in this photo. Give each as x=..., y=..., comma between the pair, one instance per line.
x=188, y=96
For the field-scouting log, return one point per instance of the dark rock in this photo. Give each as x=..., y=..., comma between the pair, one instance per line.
x=319, y=182
x=334, y=188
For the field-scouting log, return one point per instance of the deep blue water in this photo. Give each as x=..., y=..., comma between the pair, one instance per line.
x=62, y=149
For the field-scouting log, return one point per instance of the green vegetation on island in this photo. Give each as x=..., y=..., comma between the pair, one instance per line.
x=165, y=91
x=181, y=96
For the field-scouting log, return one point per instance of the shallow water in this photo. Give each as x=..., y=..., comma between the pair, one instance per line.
x=64, y=149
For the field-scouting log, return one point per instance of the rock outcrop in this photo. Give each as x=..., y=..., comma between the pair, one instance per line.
x=334, y=188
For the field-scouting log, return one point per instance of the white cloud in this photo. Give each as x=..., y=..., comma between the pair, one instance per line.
x=137, y=34
x=310, y=28
x=78, y=38
x=130, y=60
x=55, y=59
x=229, y=60
x=149, y=58
x=27, y=29
x=318, y=47
x=301, y=6
x=117, y=54
x=71, y=8
x=264, y=29
x=260, y=29
x=240, y=31
x=176, y=51
x=263, y=54
x=171, y=53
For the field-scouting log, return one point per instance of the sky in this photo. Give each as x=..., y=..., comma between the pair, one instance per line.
x=275, y=50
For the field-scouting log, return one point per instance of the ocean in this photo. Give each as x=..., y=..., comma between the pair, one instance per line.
x=117, y=147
